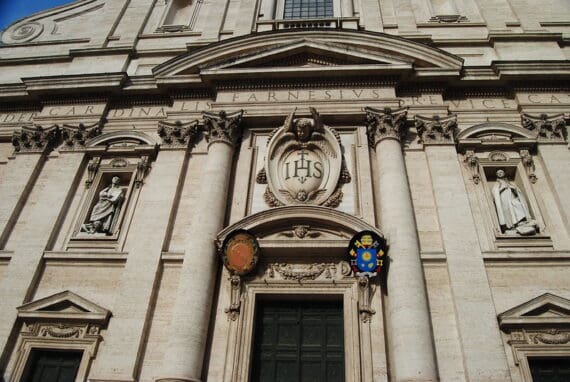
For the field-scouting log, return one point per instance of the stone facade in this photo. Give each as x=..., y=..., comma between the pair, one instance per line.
x=137, y=136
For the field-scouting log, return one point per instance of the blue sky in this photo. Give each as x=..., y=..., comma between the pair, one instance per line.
x=12, y=10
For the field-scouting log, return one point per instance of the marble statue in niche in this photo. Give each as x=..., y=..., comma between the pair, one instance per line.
x=512, y=207
x=105, y=212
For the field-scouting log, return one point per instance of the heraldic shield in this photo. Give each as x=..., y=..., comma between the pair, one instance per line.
x=366, y=253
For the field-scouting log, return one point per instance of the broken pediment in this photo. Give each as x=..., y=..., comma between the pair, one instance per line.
x=294, y=54
x=56, y=24
x=64, y=306
x=546, y=310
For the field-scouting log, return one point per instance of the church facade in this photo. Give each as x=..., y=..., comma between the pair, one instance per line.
x=286, y=190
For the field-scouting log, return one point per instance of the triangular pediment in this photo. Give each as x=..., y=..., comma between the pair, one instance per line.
x=294, y=54
x=56, y=24
x=64, y=306
x=547, y=309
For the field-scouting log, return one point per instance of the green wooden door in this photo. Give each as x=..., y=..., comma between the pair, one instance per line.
x=298, y=341
x=52, y=366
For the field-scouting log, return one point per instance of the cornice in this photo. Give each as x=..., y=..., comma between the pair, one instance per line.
x=75, y=83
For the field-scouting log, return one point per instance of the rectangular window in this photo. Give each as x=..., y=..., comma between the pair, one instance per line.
x=550, y=369
x=52, y=366
x=298, y=341
x=303, y=9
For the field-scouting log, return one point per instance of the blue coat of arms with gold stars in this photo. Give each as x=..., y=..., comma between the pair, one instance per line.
x=366, y=253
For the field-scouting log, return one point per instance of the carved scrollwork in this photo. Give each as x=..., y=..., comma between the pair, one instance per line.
x=222, y=127
x=25, y=32
x=436, y=129
x=472, y=162
x=386, y=123
x=142, y=169
x=364, y=297
x=528, y=164
x=178, y=134
x=261, y=177
x=547, y=128
x=235, y=297
x=92, y=168
x=35, y=138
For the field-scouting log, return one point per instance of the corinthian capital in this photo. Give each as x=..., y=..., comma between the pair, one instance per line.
x=76, y=135
x=222, y=127
x=547, y=127
x=436, y=129
x=386, y=123
x=177, y=135
x=35, y=138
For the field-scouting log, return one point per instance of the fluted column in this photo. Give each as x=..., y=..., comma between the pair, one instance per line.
x=185, y=355
x=408, y=328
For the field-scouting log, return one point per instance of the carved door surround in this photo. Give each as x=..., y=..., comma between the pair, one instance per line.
x=537, y=329
x=64, y=321
x=489, y=147
x=302, y=257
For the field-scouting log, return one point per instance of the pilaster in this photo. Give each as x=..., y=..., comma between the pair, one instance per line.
x=483, y=352
x=31, y=235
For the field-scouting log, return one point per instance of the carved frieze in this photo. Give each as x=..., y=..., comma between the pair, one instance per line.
x=300, y=272
x=178, y=134
x=386, y=123
x=35, y=138
x=304, y=164
x=222, y=127
x=549, y=128
x=436, y=129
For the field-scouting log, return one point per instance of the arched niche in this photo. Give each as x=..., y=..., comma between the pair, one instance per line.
x=301, y=231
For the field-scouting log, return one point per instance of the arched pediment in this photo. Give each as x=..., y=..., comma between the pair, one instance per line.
x=496, y=134
x=301, y=228
x=299, y=53
x=122, y=139
x=498, y=129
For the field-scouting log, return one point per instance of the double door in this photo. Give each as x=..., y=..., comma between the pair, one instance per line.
x=298, y=341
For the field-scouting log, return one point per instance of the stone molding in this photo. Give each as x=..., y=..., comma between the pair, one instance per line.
x=222, y=127
x=386, y=124
x=436, y=129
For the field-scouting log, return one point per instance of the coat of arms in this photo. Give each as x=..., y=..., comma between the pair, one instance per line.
x=304, y=164
x=366, y=253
